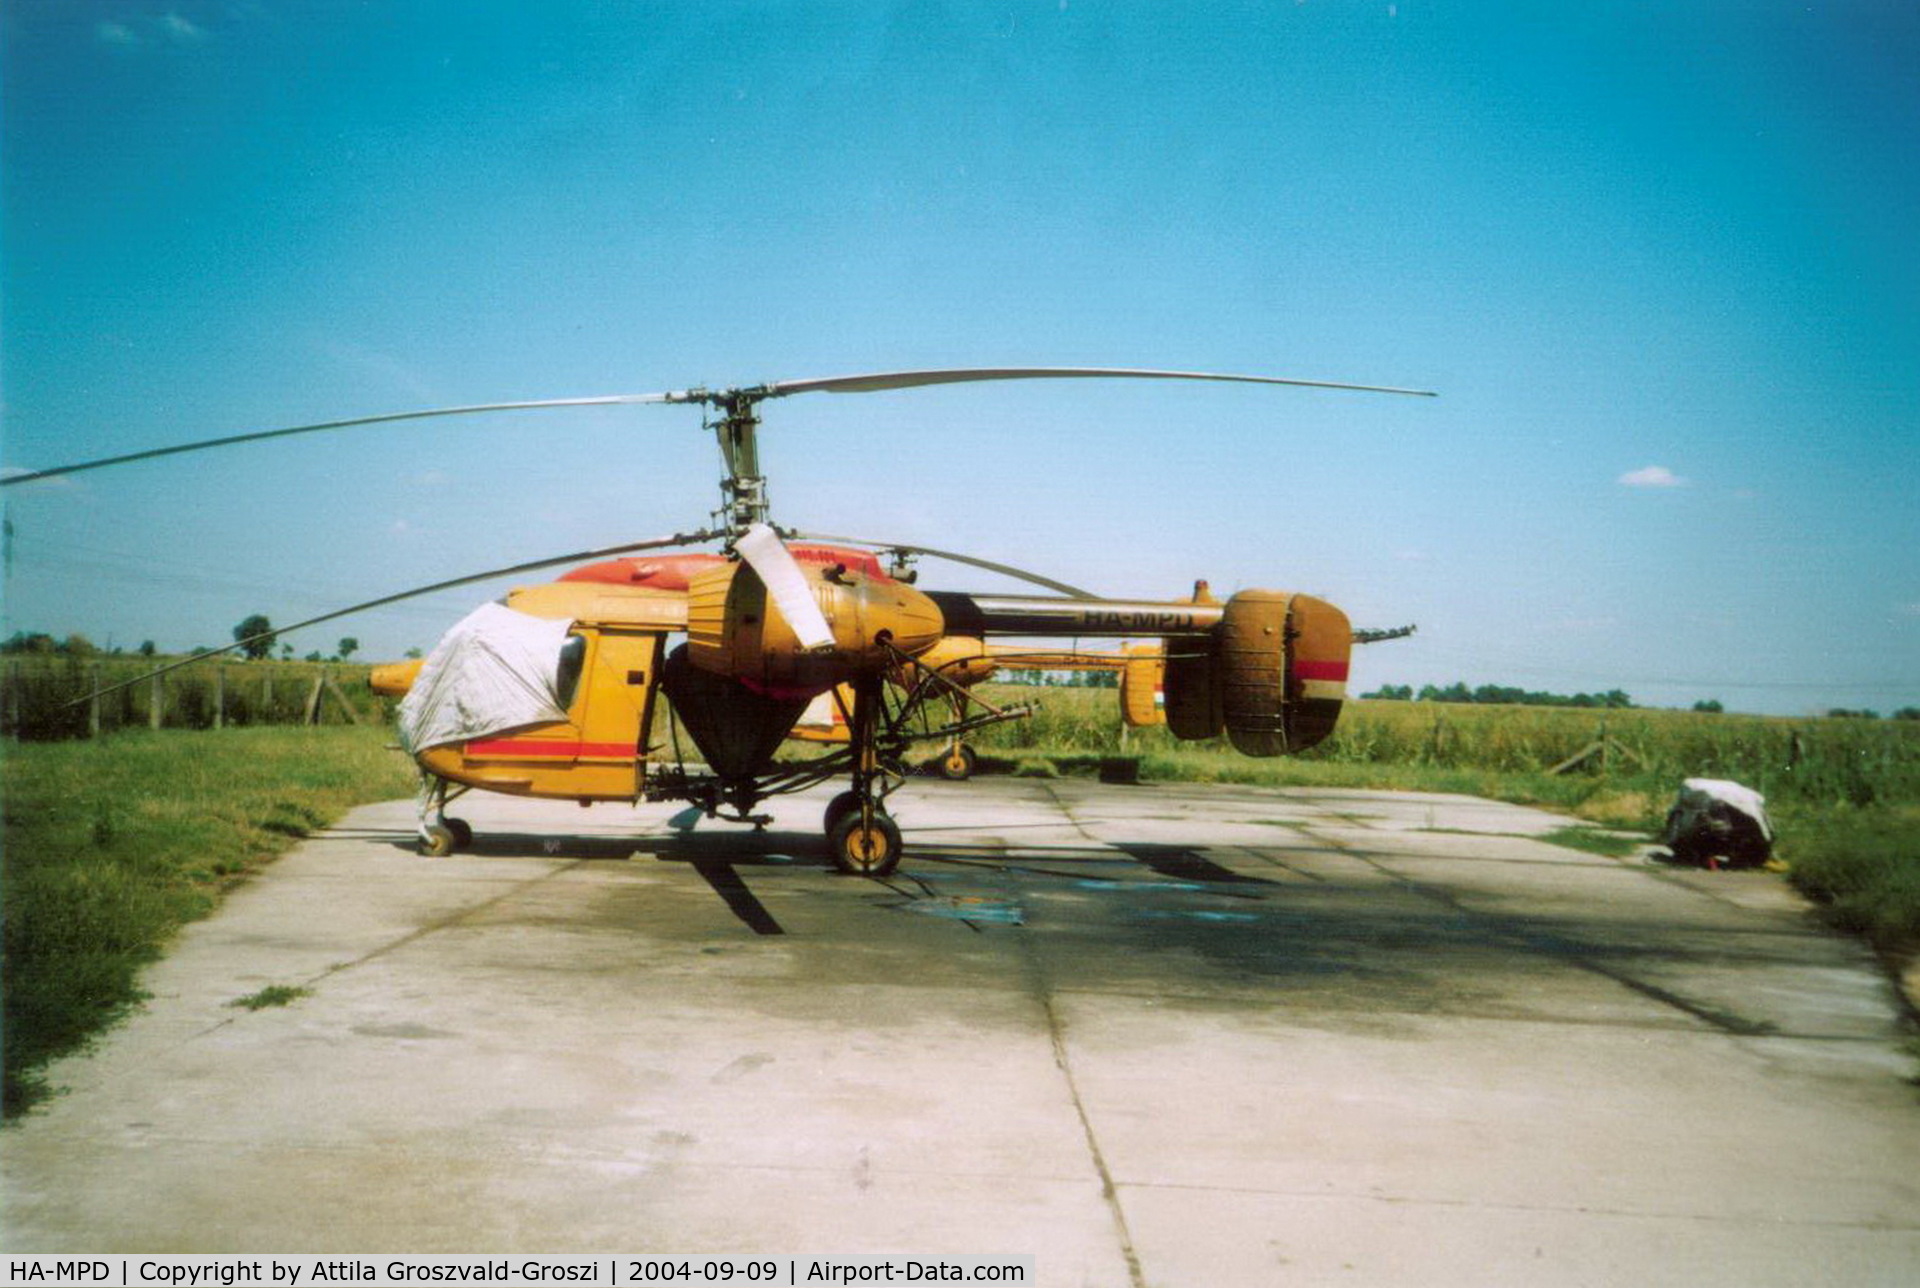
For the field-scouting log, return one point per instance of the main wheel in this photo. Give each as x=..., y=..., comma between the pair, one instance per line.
x=865, y=849
x=436, y=840
x=957, y=765
x=837, y=809
x=462, y=832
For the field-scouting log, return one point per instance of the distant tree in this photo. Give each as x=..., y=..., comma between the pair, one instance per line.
x=21, y=642
x=250, y=627
x=286, y=652
x=1506, y=693
x=78, y=646
x=1850, y=713
x=315, y=656
x=348, y=646
x=1392, y=693
x=147, y=648
x=1907, y=713
x=1711, y=705
x=412, y=653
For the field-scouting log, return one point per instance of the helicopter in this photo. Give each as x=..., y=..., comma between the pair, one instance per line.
x=776, y=633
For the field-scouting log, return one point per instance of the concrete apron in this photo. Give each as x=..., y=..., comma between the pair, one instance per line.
x=1165, y=1035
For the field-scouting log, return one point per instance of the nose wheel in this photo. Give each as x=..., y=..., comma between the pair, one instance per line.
x=439, y=834
x=437, y=840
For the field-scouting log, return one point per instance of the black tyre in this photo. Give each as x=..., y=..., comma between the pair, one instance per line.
x=462, y=832
x=866, y=849
x=958, y=763
x=837, y=809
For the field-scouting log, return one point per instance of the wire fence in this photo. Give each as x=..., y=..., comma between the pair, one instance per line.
x=46, y=699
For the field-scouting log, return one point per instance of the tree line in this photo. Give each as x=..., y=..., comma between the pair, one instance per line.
x=253, y=639
x=1612, y=699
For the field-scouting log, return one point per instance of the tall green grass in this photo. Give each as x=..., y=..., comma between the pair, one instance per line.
x=111, y=845
x=1816, y=761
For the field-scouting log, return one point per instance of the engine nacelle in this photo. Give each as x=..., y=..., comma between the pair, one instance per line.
x=735, y=629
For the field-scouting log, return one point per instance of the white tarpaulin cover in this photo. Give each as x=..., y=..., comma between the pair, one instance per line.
x=493, y=672
x=1698, y=796
x=1713, y=819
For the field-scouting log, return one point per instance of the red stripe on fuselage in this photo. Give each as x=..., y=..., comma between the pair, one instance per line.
x=549, y=747
x=1308, y=669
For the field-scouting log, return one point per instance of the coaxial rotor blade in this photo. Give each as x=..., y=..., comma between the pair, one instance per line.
x=1003, y=569
x=609, y=400
x=792, y=593
x=579, y=556
x=878, y=381
x=869, y=383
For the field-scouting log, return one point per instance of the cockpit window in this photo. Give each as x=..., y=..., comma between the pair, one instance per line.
x=566, y=680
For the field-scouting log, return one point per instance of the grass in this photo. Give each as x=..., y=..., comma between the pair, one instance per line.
x=112, y=845
x=1863, y=865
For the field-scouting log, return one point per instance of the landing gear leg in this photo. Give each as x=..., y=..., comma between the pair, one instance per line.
x=862, y=838
x=440, y=835
x=957, y=762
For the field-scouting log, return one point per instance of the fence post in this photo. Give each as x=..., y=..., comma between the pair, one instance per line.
x=156, y=704
x=93, y=700
x=219, y=697
x=333, y=687
x=266, y=698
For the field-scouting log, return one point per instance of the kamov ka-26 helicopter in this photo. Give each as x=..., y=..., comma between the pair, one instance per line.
x=552, y=692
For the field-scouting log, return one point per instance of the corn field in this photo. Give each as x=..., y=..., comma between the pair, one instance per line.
x=1841, y=761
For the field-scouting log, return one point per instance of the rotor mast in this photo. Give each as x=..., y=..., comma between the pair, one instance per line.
x=737, y=426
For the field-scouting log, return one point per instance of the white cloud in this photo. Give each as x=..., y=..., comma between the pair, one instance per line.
x=181, y=30
x=1651, y=476
x=115, y=33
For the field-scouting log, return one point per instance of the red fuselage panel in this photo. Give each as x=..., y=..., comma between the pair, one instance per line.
x=673, y=572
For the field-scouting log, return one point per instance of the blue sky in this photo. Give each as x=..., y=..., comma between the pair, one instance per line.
x=1656, y=259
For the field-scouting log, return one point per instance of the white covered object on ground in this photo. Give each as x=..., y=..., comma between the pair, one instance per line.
x=495, y=671
x=1714, y=818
